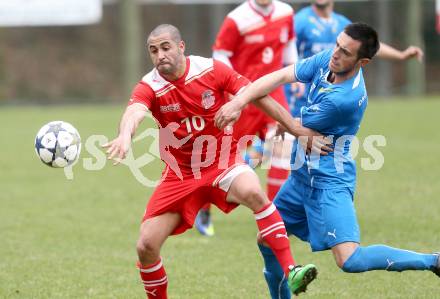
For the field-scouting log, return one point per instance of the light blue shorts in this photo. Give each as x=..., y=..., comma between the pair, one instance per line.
x=322, y=217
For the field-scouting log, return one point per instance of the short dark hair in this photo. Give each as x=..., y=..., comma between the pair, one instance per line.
x=166, y=28
x=367, y=36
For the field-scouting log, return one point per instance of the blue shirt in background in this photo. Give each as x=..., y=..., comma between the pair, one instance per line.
x=313, y=35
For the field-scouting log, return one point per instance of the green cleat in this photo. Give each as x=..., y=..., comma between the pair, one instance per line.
x=300, y=277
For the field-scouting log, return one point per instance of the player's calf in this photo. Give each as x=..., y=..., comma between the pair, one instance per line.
x=274, y=274
x=154, y=279
x=154, y=232
x=255, y=199
x=343, y=251
x=245, y=189
x=382, y=257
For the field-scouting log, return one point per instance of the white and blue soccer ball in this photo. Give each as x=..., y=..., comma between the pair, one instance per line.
x=58, y=144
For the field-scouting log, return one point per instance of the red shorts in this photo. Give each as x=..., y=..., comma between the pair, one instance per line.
x=253, y=121
x=189, y=195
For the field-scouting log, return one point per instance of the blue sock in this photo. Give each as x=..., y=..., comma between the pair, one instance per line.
x=274, y=275
x=381, y=257
x=247, y=158
x=257, y=146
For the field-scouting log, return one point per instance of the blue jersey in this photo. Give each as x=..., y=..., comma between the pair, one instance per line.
x=313, y=35
x=333, y=109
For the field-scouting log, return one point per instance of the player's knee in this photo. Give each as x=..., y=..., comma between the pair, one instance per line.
x=146, y=247
x=340, y=263
x=340, y=260
x=255, y=198
x=355, y=263
x=342, y=253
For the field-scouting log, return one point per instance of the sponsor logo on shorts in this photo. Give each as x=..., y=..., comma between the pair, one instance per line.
x=333, y=234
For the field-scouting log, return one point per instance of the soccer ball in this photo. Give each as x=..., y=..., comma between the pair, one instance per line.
x=58, y=144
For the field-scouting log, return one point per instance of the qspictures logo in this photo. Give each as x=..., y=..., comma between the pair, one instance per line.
x=161, y=140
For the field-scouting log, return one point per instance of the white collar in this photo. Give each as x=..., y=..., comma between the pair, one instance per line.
x=265, y=11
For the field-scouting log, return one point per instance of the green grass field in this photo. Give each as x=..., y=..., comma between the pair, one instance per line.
x=76, y=238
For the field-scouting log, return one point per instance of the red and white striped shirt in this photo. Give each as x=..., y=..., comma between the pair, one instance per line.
x=187, y=108
x=254, y=42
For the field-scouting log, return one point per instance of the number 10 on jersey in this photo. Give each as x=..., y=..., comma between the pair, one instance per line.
x=194, y=122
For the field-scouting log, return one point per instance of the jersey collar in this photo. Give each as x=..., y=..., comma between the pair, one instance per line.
x=321, y=19
x=354, y=80
x=258, y=10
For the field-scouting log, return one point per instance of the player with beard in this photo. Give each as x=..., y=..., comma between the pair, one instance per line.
x=316, y=202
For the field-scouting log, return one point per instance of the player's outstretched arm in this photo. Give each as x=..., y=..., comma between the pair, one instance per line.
x=314, y=141
x=230, y=112
x=388, y=52
x=117, y=148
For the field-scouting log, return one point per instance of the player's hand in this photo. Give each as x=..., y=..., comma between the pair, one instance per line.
x=227, y=114
x=319, y=144
x=279, y=131
x=413, y=52
x=117, y=148
x=314, y=142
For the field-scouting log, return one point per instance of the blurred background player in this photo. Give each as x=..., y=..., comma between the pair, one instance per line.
x=256, y=38
x=184, y=94
x=317, y=27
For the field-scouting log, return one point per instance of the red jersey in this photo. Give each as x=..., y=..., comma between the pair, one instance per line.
x=184, y=110
x=255, y=42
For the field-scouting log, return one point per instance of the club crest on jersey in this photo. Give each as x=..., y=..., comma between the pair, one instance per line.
x=208, y=99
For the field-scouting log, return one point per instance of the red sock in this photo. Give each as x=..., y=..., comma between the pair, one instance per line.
x=154, y=279
x=275, y=179
x=273, y=232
